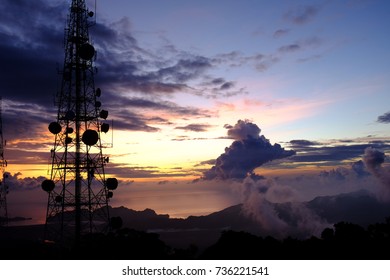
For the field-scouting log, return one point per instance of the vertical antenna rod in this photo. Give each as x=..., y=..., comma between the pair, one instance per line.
x=78, y=191
x=3, y=185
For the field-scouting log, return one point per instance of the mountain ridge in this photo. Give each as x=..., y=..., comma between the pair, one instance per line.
x=359, y=207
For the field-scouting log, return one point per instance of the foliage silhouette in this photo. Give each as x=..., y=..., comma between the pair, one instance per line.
x=345, y=241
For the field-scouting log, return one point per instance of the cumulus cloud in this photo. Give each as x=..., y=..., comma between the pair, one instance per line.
x=248, y=151
x=16, y=183
x=374, y=159
x=359, y=168
x=243, y=130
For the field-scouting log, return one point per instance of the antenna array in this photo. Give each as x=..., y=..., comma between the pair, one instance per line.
x=78, y=190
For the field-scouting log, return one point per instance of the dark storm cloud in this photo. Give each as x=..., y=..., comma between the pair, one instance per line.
x=141, y=114
x=34, y=46
x=127, y=65
x=248, y=151
x=130, y=114
x=158, y=105
x=195, y=127
x=30, y=41
x=31, y=54
x=316, y=152
x=301, y=14
x=385, y=118
x=184, y=69
x=123, y=71
x=25, y=121
x=302, y=142
x=338, y=153
x=31, y=44
x=34, y=23
x=24, y=129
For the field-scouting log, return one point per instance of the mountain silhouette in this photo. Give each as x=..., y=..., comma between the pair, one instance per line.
x=229, y=218
x=358, y=207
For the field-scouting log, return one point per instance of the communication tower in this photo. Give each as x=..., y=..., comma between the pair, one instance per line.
x=78, y=190
x=3, y=186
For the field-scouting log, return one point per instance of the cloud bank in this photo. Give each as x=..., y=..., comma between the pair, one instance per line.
x=263, y=198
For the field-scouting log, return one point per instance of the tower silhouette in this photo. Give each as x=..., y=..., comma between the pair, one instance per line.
x=3, y=186
x=78, y=191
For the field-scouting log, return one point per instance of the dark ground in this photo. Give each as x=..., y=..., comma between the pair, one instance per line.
x=343, y=241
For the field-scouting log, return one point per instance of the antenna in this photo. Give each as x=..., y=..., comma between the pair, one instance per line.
x=78, y=190
x=3, y=185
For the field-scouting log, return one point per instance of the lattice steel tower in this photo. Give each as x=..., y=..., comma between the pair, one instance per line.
x=3, y=186
x=78, y=190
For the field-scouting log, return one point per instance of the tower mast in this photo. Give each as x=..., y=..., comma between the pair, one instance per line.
x=78, y=191
x=3, y=186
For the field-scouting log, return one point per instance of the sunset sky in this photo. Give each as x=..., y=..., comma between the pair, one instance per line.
x=183, y=80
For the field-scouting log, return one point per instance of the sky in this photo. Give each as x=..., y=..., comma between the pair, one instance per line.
x=207, y=98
